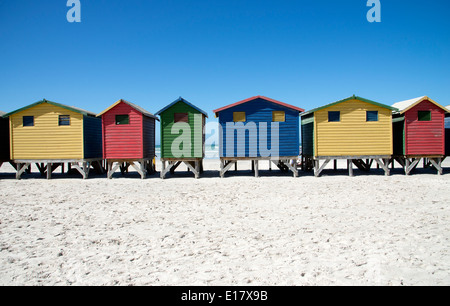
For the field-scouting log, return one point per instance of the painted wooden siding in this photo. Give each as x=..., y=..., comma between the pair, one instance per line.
x=4, y=139
x=425, y=137
x=149, y=137
x=260, y=111
x=196, y=120
x=447, y=136
x=308, y=135
x=93, y=147
x=46, y=139
x=122, y=141
x=353, y=136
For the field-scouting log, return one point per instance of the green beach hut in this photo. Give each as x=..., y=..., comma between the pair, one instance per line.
x=182, y=136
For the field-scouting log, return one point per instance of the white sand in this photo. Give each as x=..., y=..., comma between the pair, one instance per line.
x=275, y=230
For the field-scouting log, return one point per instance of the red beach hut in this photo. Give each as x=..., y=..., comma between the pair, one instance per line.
x=128, y=137
x=419, y=132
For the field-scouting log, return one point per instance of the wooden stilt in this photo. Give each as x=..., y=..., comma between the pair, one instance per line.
x=49, y=171
x=197, y=169
x=437, y=164
x=291, y=167
x=225, y=166
x=316, y=168
x=21, y=169
x=222, y=167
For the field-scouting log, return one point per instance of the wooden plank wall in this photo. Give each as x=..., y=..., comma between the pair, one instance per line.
x=261, y=111
x=353, y=135
x=46, y=139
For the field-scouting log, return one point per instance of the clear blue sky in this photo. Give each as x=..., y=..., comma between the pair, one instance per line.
x=213, y=53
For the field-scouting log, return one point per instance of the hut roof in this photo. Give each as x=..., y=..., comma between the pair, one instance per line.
x=180, y=99
x=348, y=99
x=136, y=107
x=406, y=105
x=217, y=111
x=71, y=108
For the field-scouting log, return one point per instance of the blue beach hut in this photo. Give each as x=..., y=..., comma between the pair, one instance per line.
x=259, y=128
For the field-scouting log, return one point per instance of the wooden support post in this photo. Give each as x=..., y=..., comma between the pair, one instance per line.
x=384, y=164
x=108, y=170
x=335, y=164
x=49, y=171
x=316, y=168
x=235, y=166
x=197, y=169
x=21, y=169
x=224, y=166
x=139, y=168
x=256, y=164
x=194, y=168
x=350, y=167
x=143, y=171
x=112, y=169
x=291, y=167
x=86, y=168
x=437, y=163
x=411, y=165
x=165, y=169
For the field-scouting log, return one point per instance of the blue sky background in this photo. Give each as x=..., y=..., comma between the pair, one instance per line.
x=214, y=53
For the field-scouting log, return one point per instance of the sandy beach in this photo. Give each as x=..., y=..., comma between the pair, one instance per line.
x=274, y=230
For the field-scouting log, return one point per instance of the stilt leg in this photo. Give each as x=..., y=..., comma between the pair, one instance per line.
x=350, y=167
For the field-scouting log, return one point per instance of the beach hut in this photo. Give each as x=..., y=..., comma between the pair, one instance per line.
x=4, y=139
x=51, y=134
x=419, y=133
x=259, y=128
x=182, y=137
x=128, y=138
x=354, y=129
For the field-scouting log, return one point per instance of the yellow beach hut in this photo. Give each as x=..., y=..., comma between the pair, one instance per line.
x=354, y=129
x=51, y=134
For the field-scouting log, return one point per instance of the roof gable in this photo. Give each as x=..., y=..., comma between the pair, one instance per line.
x=180, y=99
x=217, y=111
x=132, y=105
x=349, y=99
x=404, y=106
x=71, y=108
